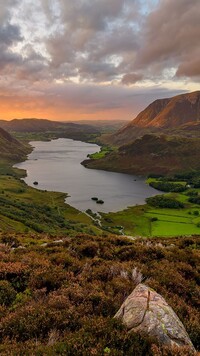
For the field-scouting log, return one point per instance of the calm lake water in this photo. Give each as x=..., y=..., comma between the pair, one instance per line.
x=55, y=165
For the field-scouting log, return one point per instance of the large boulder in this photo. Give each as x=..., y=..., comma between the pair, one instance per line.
x=147, y=313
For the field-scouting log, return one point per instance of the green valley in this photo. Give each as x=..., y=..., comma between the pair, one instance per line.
x=62, y=268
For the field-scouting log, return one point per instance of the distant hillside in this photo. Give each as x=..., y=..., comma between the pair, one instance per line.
x=40, y=125
x=152, y=154
x=28, y=125
x=10, y=148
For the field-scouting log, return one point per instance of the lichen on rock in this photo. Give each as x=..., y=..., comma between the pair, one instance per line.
x=147, y=313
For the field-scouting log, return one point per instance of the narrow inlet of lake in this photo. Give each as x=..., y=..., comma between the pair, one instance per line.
x=56, y=166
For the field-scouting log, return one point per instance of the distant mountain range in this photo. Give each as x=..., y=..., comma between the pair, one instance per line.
x=42, y=125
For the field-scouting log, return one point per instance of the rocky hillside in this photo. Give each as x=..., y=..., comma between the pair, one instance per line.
x=10, y=148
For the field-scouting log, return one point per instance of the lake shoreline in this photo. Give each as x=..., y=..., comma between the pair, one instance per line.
x=99, y=180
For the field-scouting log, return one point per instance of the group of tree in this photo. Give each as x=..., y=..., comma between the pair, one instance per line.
x=166, y=186
x=161, y=201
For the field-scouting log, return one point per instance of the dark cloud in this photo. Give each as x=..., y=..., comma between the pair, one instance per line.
x=9, y=34
x=131, y=78
x=189, y=68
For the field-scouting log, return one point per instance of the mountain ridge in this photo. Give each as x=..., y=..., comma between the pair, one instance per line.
x=170, y=112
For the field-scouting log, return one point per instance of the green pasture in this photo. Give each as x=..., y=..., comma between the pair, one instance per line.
x=102, y=153
x=150, y=222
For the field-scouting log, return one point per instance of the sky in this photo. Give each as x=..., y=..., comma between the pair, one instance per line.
x=95, y=59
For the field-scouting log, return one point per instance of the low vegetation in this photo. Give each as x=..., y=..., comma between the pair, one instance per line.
x=60, y=297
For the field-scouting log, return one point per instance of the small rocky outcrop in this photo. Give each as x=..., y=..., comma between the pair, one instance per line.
x=147, y=313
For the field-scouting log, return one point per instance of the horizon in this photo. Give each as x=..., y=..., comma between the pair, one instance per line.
x=64, y=61
x=88, y=120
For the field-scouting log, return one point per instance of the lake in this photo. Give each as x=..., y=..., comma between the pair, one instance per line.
x=55, y=165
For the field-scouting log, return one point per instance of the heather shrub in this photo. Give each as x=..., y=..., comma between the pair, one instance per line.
x=16, y=273
x=50, y=278
x=65, y=297
x=7, y=293
x=89, y=249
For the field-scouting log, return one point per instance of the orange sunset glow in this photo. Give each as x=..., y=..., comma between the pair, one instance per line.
x=72, y=61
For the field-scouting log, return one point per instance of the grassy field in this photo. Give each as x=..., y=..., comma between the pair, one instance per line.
x=102, y=153
x=150, y=222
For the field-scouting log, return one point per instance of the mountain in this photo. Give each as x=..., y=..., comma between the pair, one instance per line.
x=10, y=148
x=179, y=114
x=159, y=154
x=172, y=112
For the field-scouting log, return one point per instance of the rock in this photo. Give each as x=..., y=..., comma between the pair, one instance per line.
x=52, y=243
x=147, y=313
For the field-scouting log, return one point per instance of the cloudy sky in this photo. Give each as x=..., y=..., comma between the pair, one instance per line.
x=95, y=59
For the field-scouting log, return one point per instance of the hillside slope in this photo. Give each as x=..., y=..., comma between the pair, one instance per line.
x=10, y=148
x=152, y=154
